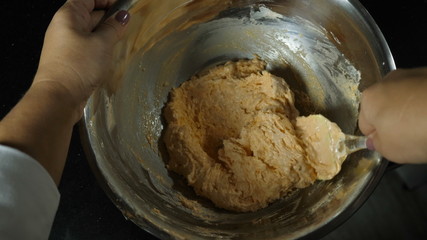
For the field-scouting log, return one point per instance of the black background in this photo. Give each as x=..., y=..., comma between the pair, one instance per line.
x=85, y=212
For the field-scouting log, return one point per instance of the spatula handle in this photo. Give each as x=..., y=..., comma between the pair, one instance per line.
x=354, y=143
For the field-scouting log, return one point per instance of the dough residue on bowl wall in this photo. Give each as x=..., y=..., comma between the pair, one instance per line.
x=234, y=133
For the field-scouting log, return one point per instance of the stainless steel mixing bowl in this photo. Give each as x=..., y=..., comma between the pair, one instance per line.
x=327, y=50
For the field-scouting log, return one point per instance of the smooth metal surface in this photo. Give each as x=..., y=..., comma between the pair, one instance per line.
x=323, y=48
x=354, y=143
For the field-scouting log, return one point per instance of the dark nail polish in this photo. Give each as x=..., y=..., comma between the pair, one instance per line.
x=122, y=17
x=370, y=144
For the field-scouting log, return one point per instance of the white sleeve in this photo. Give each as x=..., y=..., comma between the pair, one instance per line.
x=29, y=197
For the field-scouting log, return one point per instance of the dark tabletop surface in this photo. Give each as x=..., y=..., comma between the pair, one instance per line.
x=85, y=212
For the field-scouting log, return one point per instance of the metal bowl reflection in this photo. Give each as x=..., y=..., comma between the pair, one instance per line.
x=327, y=50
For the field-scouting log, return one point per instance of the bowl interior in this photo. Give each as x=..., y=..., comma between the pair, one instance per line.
x=327, y=51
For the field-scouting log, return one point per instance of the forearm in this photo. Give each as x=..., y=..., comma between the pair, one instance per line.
x=41, y=125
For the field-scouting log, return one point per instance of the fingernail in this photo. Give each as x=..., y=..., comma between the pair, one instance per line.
x=122, y=17
x=370, y=144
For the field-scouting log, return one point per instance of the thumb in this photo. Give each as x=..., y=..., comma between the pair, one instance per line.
x=113, y=28
x=365, y=115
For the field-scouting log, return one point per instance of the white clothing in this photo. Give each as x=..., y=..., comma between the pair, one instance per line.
x=29, y=197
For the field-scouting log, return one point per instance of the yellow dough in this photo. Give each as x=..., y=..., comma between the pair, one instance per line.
x=323, y=142
x=231, y=133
